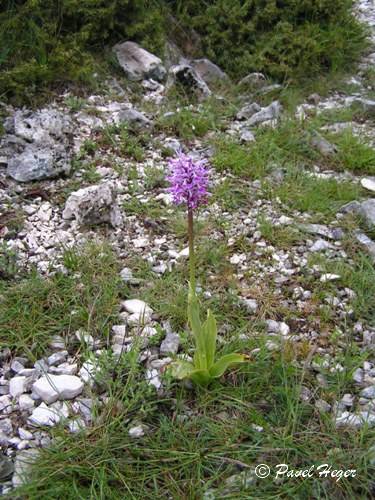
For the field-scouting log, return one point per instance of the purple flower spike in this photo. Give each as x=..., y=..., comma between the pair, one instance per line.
x=189, y=181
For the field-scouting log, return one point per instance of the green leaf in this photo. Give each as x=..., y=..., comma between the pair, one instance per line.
x=181, y=369
x=184, y=369
x=210, y=333
x=200, y=359
x=225, y=362
x=200, y=377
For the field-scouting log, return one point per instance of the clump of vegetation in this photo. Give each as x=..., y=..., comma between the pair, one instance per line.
x=186, y=123
x=305, y=192
x=35, y=308
x=289, y=39
x=44, y=44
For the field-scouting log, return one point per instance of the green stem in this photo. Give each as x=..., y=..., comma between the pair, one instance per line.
x=191, y=248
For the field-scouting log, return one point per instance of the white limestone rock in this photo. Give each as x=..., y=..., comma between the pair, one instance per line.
x=53, y=387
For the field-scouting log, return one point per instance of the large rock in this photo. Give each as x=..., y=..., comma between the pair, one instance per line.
x=208, y=71
x=94, y=205
x=37, y=163
x=53, y=387
x=186, y=76
x=137, y=63
x=270, y=112
x=37, y=144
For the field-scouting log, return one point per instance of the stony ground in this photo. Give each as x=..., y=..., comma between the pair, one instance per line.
x=93, y=292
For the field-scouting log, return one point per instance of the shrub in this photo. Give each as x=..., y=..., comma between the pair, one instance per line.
x=284, y=38
x=44, y=43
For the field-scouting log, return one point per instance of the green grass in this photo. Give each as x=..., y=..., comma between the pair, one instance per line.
x=354, y=154
x=231, y=195
x=197, y=440
x=306, y=193
x=122, y=141
x=280, y=236
x=186, y=124
x=359, y=276
x=34, y=308
x=284, y=145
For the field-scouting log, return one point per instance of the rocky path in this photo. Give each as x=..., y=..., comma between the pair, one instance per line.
x=40, y=220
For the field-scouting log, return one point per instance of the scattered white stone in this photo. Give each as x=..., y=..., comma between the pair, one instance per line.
x=277, y=327
x=16, y=366
x=322, y=406
x=126, y=274
x=251, y=305
x=17, y=386
x=137, y=432
x=235, y=259
x=57, y=342
x=136, y=306
x=44, y=415
x=5, y=404
x=184, y=253
x=119, y=330
x=368, y=183
x=77, y=425
x=170, y=344
x=93, y=205
x=347, y=400
x=24, y=434
x=88, y=372
x=65, y=369
x=53, y=387
x=358, y=376
x=57, y=358
x=152, y=377
x=160, y=269
x=85, y=338
x=25, y=402
x=368, y=392
x=6, y=426
x=320, y=245
x=356, y=421
x=22, y=465
x=41, y=365
x=138, y=319
x=329, y=277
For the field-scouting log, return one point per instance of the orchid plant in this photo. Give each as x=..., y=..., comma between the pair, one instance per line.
x=189, y=184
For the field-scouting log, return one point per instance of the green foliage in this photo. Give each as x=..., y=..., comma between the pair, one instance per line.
x=204, y=367
x=186, y=123
x=354, y=154
x=44, y=43
x=196, y=444
x=289, y=39
x=35, y=308
x=308, y=193
x=281, y=236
